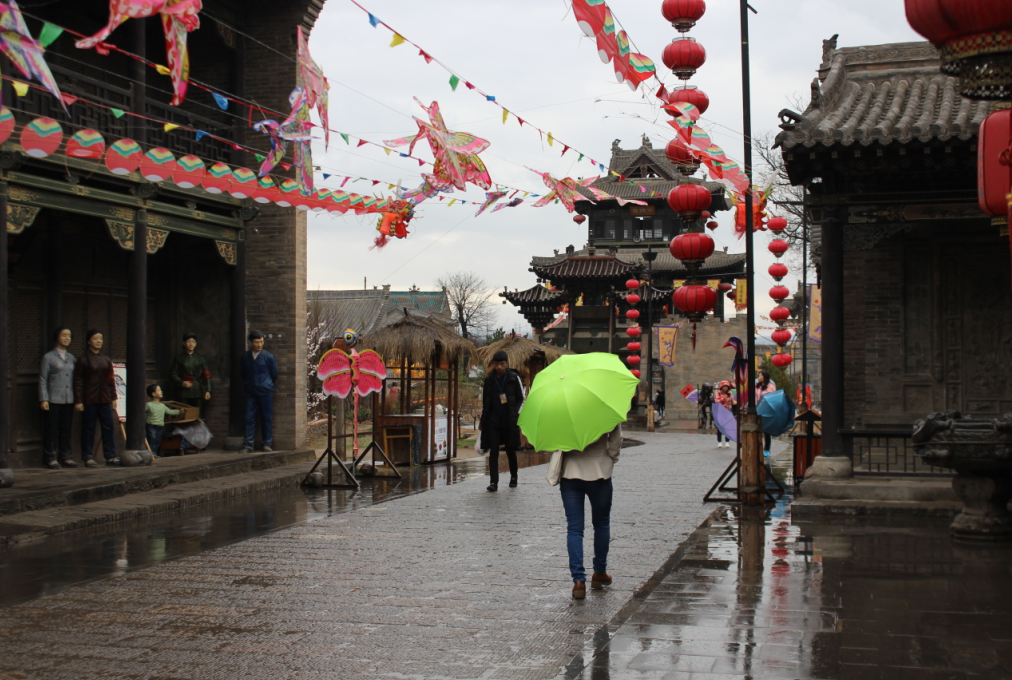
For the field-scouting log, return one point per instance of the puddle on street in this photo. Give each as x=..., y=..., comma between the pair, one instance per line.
x=53, y=564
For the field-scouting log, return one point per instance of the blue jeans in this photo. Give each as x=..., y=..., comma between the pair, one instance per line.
x=264, y=405
x=154, y=434
x=599, y=494
x=103, y=414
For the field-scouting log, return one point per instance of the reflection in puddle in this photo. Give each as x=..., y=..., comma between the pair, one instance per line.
x=51, y=565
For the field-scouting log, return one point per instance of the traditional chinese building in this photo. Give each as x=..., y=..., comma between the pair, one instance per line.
x=144, y=261
x=916, y=313
x=590, y=282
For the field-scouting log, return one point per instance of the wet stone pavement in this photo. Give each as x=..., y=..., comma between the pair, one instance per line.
x=454, y=582
x=758, y=595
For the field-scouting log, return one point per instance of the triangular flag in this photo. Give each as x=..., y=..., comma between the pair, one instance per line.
x=490, y=98
x=564, y=149
x=200, y=133
x=220, y=100
x=361, y=142
x=20, y=88
x=505, y=115
x=49, y=34
x=390, y=187
x=521, y=121
x=260, y=158
x=550, y=140
x=398, y=40
x=469, y=85
x=169, y=127
x=375, y=182
x=580, y=158
x=441, y=198
x=420, y=162
x=454, y=81
x=374, y=21
x=163, y=70
x=68, y=99
x=427, y=58
x=326, y=175
x=344, y=136
x=286, y=166
x=387, y=150
x=452, y=201
x=601, y=165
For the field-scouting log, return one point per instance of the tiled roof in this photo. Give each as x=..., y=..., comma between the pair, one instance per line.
x=430, y=302
x=584, y=266
x=361, y=310
x=881, y=94
x=534, y=295
x=665, y=263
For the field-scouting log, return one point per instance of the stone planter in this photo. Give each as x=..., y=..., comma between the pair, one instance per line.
x=980, y=452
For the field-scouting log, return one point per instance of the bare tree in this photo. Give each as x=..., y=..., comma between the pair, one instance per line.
x=470, y=299
x=785, y=199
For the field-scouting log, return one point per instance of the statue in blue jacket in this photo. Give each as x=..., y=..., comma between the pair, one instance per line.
x=259, y=372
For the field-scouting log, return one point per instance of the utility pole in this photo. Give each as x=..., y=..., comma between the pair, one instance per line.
x=752, y=484
x=650, y=256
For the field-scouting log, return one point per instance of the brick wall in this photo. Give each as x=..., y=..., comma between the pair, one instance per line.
x=710, y=362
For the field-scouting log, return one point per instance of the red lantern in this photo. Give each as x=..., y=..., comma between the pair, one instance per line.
x=633, y=331
x=781, y=336
x=781, y=360
x=705, y=214
x=776, y=224
x=683, y=56
x=993, y=178
x=688, y=95
x=779, y=314
x=632, y=284
x=632, y=314
x=689, y=200
x=679, y=155
x=694, y=300
x=732, y=295
x=633, y=298
x=723, y=287
x=635, y=372
x=579, y=219
x=683, y=14
x=778, y=271
x=633, y=346
x=691, y=246
x=712, y=225
x=778, y=247
x=633, y=359
x=779, y=293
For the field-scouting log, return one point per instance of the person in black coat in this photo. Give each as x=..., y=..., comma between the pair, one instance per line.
x=501, y=399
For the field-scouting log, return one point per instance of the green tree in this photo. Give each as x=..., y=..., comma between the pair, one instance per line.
x=497, y=335
x=782, y=380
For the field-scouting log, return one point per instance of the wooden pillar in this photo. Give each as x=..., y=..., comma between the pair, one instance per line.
x=572, y=322
x=236, y=346
x=832, y=335
x=54, y=283
x=137, y=313
x=611, y=324
x=6, y=474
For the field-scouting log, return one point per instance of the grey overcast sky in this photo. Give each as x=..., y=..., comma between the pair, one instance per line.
x=533, y=58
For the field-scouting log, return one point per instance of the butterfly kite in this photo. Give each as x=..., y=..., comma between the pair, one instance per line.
x=490, y=198
x=179, y=18
x=24, y=51
x=565, y=190
x=596, y=21
x=312, y=81
x=342, y=373
x=296, y=129
x=456, y=153
x=511, y=204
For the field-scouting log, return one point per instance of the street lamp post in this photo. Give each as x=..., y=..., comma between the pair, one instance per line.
x=751, y=482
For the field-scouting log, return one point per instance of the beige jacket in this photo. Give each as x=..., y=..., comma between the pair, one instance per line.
x=596, y=461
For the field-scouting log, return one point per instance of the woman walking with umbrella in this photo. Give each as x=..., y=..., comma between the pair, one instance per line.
x=575, y=408
x=501, y=399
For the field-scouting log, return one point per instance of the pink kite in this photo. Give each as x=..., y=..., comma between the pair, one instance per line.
x=490, y=198
x=565, y=190
x=596, y=21
x=342, y=372
x=311, y=79
x=24, y=51
x=456, y=153
x=179, y=18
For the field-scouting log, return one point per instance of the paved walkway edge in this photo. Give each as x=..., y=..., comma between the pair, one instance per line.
x=40, y=524
x=600, y=639
x=156, y=479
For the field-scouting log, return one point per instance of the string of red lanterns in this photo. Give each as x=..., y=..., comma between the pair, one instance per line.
x=779, y=293
x=634, y=345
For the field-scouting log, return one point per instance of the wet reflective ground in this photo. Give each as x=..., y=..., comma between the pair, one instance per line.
x=32, y=570
x=760, y=595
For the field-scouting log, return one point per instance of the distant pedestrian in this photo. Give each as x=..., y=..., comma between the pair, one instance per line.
x=659, y=402
x=724, y=397
x=501, y=399
x=763, y=386
x=259, y=371
x=587, y=474
x=56, y=398
x=154, y=419
x=95, y=397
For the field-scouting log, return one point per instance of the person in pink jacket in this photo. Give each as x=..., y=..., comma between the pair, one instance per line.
x=764, y=386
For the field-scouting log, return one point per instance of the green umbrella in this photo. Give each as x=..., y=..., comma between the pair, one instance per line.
x=575, y=400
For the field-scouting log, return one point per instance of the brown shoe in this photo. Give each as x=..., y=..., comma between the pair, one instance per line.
x=599, y=581
x=579, y=590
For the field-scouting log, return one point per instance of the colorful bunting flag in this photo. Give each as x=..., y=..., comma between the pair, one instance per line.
x=398, y=40
x=49, y=34
x=454, y=81
x=221, y=101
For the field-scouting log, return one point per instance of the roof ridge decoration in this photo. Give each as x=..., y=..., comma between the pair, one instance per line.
x=858, y=100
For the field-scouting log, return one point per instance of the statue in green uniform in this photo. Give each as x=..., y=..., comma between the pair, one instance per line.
x=190, y=374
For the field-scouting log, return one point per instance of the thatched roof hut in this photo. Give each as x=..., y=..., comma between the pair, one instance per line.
x=519, y=350
x=416, y=339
